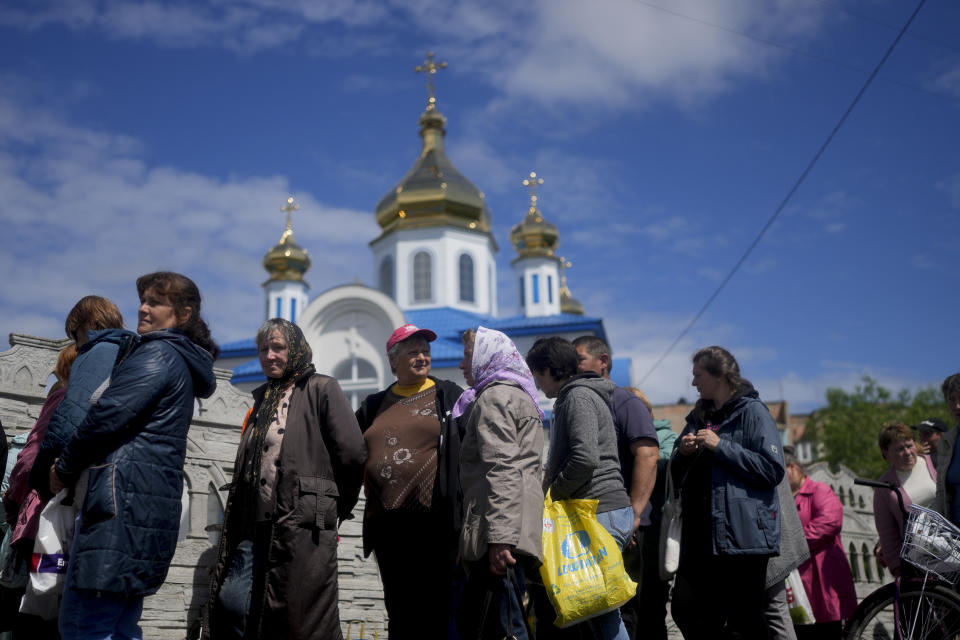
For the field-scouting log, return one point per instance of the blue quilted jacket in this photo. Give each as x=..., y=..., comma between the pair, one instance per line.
x=134, y=441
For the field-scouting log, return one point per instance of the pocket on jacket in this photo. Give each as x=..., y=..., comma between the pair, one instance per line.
x=747, y=528
x=471, y=537
x=316, y=503
x=100, y=502
x=767, y=520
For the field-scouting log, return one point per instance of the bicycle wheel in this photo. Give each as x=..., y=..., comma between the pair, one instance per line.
x=933, y=614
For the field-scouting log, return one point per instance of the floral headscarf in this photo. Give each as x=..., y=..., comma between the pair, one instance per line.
x=299, y=356
x=495, y=357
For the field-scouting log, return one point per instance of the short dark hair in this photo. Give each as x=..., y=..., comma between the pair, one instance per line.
x=892, y=433
x=593, y=345
x=554, y=355
x=719, y=362
x=92, y=313
x=951, y=387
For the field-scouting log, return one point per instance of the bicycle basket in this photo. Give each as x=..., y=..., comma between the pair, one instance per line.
x=932, y=543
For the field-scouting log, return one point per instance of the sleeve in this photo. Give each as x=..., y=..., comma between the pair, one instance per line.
x=889, y=527
x=633, y=418
x=134, y=389
x=583, y=454
x=498, y=432
x=345, y=444
x=760, y=463
x=667, y=439
x=679, y=463
x=19, y=487
x=826, y=518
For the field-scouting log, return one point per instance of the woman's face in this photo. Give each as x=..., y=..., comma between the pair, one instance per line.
x=155, y=313
x=273, y=354
x=707, y=384
x=795, y=477
x=466, y=365
x=412, y=362
x=901, y=455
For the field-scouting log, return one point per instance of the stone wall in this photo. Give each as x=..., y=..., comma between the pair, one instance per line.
x=211, y=447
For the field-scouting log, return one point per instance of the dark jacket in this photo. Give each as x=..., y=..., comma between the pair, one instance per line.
x=447, y=488
x=134, y=442
x=319, y=474
x=91, y=369
x=745, y=469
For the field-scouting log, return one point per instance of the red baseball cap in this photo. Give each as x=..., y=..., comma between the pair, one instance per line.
x=408, y=331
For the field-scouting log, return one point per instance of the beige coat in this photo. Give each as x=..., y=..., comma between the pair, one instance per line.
x=501, y=473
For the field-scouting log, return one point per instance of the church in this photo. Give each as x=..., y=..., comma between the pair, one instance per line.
x=435, y=267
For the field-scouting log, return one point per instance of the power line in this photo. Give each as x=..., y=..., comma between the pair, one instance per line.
x=789, y=196
x=916, y=36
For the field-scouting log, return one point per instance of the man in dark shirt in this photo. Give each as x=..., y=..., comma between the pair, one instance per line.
x=639, y=450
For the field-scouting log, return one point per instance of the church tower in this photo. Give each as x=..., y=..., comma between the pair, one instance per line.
x=536, y=265
x=285, y=291
x=436, y=248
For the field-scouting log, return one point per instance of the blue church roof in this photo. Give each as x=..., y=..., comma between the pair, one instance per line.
x=447, y=349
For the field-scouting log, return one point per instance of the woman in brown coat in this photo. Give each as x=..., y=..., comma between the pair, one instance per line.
x=298, y=473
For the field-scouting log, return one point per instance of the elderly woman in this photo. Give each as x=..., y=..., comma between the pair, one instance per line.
x=411, y=522
x=129, y=450
x=500, y=476
x=298, y=473
x=728, y=464
x=826, y=574
x=918, y=484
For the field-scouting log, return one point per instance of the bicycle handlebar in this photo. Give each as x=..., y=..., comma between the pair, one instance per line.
x=892, y=486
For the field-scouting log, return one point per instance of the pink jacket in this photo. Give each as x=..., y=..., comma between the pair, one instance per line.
x=826, y=575
x=28, y=503
x=889, y=519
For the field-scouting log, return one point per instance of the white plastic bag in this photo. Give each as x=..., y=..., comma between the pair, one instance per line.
x=797, y=601
x=48, y=567
x=670, y=528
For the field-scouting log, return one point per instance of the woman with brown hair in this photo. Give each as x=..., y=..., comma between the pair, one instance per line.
x=129, y=451
x=728, y=464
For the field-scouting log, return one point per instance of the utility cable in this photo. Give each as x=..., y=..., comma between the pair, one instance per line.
x=789, y=196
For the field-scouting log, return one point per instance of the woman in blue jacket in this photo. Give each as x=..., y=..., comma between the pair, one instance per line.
x=728, y=464
x=130, y=450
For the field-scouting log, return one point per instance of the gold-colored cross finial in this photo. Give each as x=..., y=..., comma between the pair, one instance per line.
x=289, y=208
x=532, y=182
x=564, y=265
x=430, y=67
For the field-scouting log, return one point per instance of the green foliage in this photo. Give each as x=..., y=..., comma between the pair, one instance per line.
x=849, y=425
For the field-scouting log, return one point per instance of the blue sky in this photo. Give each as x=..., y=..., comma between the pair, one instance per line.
x=138, y=136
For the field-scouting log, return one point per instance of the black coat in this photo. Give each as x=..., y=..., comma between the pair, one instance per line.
x=134, y=442
x=446, y=491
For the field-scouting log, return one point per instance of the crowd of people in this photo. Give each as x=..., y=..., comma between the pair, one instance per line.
x=454, y=482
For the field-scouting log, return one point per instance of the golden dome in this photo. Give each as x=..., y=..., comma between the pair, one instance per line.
x=534, y=237
x=568, y=304
x=287, y=260
x=433, y=193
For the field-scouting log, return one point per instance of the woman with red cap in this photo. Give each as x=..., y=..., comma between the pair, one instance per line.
x=411, y=521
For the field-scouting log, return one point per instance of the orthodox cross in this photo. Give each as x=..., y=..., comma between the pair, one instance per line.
x=430, y=67
x=532, y=183
x=289, y=208
x=564, y=265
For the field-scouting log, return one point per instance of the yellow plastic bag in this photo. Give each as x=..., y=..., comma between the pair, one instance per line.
x=582, y=567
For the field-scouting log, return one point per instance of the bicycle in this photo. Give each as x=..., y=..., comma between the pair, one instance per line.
x=922, y=606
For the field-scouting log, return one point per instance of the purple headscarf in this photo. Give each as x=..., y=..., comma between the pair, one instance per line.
x=495, y=357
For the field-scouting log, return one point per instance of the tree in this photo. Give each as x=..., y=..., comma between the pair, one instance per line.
x=849, y=425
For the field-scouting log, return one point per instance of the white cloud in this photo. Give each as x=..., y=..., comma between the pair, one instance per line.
x=100, y=216
x=951, y=186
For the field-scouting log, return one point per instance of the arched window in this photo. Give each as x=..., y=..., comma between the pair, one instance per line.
x=357, y=378
x=854, y=562
x=466, y=278
x=422, y=277
x=386, y=276
x=214, y=515
x=853, y=503
x=860, y=501
x=867, y=565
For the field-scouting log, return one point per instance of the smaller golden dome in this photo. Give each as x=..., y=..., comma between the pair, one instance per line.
x=568, y=304
x=534, y=237
x=287, y=260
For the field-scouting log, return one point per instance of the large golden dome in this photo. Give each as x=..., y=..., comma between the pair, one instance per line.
x=287, y=260
x=433, y=193
x=534, y=237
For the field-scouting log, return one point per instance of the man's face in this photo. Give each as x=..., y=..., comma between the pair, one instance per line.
x=546, y=383
x=954, y=404
x=599, y=365
x=929, y=438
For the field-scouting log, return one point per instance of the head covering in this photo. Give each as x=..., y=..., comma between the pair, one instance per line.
x=931, y=424
x=408, y=331
x=298, y=365
x=495, y=357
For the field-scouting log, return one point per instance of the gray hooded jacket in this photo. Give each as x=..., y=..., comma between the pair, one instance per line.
x=582, y=461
